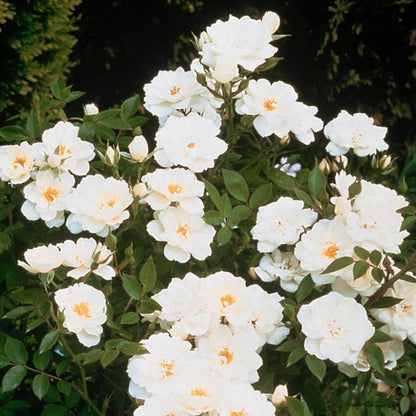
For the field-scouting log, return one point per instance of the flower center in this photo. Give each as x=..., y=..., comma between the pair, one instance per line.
x=183, y=230
x=227, y=300
x=225, y=353
x=174, y=189
x=167, y=369
x=82, y=309
x=110, y=203
x=331, y=251
x=405, y=306
x=240, y=413
x=19, y=160
x=270, y=104
x=50, y=194
x=63, y=149
x=174, y=90
x=356, y=137
x=191, y=145
x=334, y=328
x=198, y=391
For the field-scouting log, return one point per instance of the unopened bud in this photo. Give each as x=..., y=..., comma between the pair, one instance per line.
x=140, y=190
x=385, y=162
x=324, y=166
x=112, y=156
x=225, y=70
x=54, y=161
x=340, y=162
x=272, y=21
x=252, y=272
x=279, y=395
x=91, y=109
x=138, y=148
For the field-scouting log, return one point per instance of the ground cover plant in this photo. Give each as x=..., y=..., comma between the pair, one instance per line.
x=251, y=259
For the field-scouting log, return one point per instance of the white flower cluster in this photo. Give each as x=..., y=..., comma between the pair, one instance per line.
x=210, y=357
x=83, y=306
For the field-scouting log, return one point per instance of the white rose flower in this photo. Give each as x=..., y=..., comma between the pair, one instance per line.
x=284, y=266
x=281, y=222
x=355, y=132
x=42, y=259
x=161, y=404
x=84, y=308
x=336, y=328
x=244, y=41
x=186, y=234
x=190, y=141
x=138, y=148
x=177, y=185
x=16, y=163
x=277, y=110
x=81, y=256
x=98, y=205
x=327, y=241
x=64, y=149
x=47, y=197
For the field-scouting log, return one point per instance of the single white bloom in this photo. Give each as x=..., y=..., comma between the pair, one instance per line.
x=138, y=148
x=47, y=197
x=42, y=259
x=355, y=132
x=336, y=328
x=284, y=266
x=190, y=141
x=186, y=234
x=161, y=404
x=281, y=222
x=84, y=308
x=290, y=169
x=16, y=163
x=178, y=185
x=62, y=147
x=279, y=395
x=91, y=109
x=83, y=254
x=98, y=205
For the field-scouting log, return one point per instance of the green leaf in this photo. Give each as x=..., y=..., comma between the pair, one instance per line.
x=74, y=95
x=375, y=257
x=133, y=348
x=303, y=196
x=281, y=179
x=360, y=268
x=108, y=357
x=386, y=302
x=33, y=125
x=40, y=385
x=132, y=287
x=296, y=355
x=129, y=318
x=408, y=223
x=313, y=397
x=404, y=405
x=5, y=242
x=352, y=412
x=214, y=195
x=15, y=405
x=213, y=217
x=55, y=410
x=148, y=305
x=380, y=336
x=239, y=213
x=41, y=361
x=269, y=64
x=408, y=278
x=87, y=131
x=64, y=387
x=148, y=274
x=338, y=264
x=223, y=236
x=16, y=351
x=13, y=377
x=115, y=123
x=13, y=133
x=317, y=183
x=354, y=189
x=260, y=196
x=377, y=274
x=92, y=356
x=4, y=362
x=296, y=407
x=129, y=107
x=102, y=115
x=375, y=357
x=106, y=133
x=63, y=366
x=235, y=184
x=316, y=366
x=305, y=288
x=289, y=345
x=19, y=311
x=226, y=204
x=57, y=88
x=361, y=252
x=48, y=341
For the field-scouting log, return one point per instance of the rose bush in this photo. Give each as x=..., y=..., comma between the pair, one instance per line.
x=224, y=265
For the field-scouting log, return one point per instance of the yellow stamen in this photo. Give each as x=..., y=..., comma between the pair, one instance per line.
x=229, y=356
x=270, y=104
x=174, y=189
x=331, y=251
x=82, y=309
x=199, y=392
x=227, y=300
x=50, y=194
x=191, y=145
x=174, y=90
x=334, y=328
x=167, y=369
x=19, y=160
x=183, y=230
x=240, y=413
x=63, y=149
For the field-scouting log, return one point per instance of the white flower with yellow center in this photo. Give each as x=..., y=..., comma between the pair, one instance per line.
x=160, y=405
x=400, y=318
x=356, y=132
x=186, y=234
x=336, y=328
x=244, y=42
x=42, y=259
x=47, y=197
x=98, y=205
x=84, y=308
x=189, y=141
x=166, y=360
x=281, y=222
x=232, y=355
x=284, y=266
x=83, y=254
x=277, y=112
x=173, y=90
x=16, y=163
x=61, y=147
x=176, y=185
x=327, y=241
